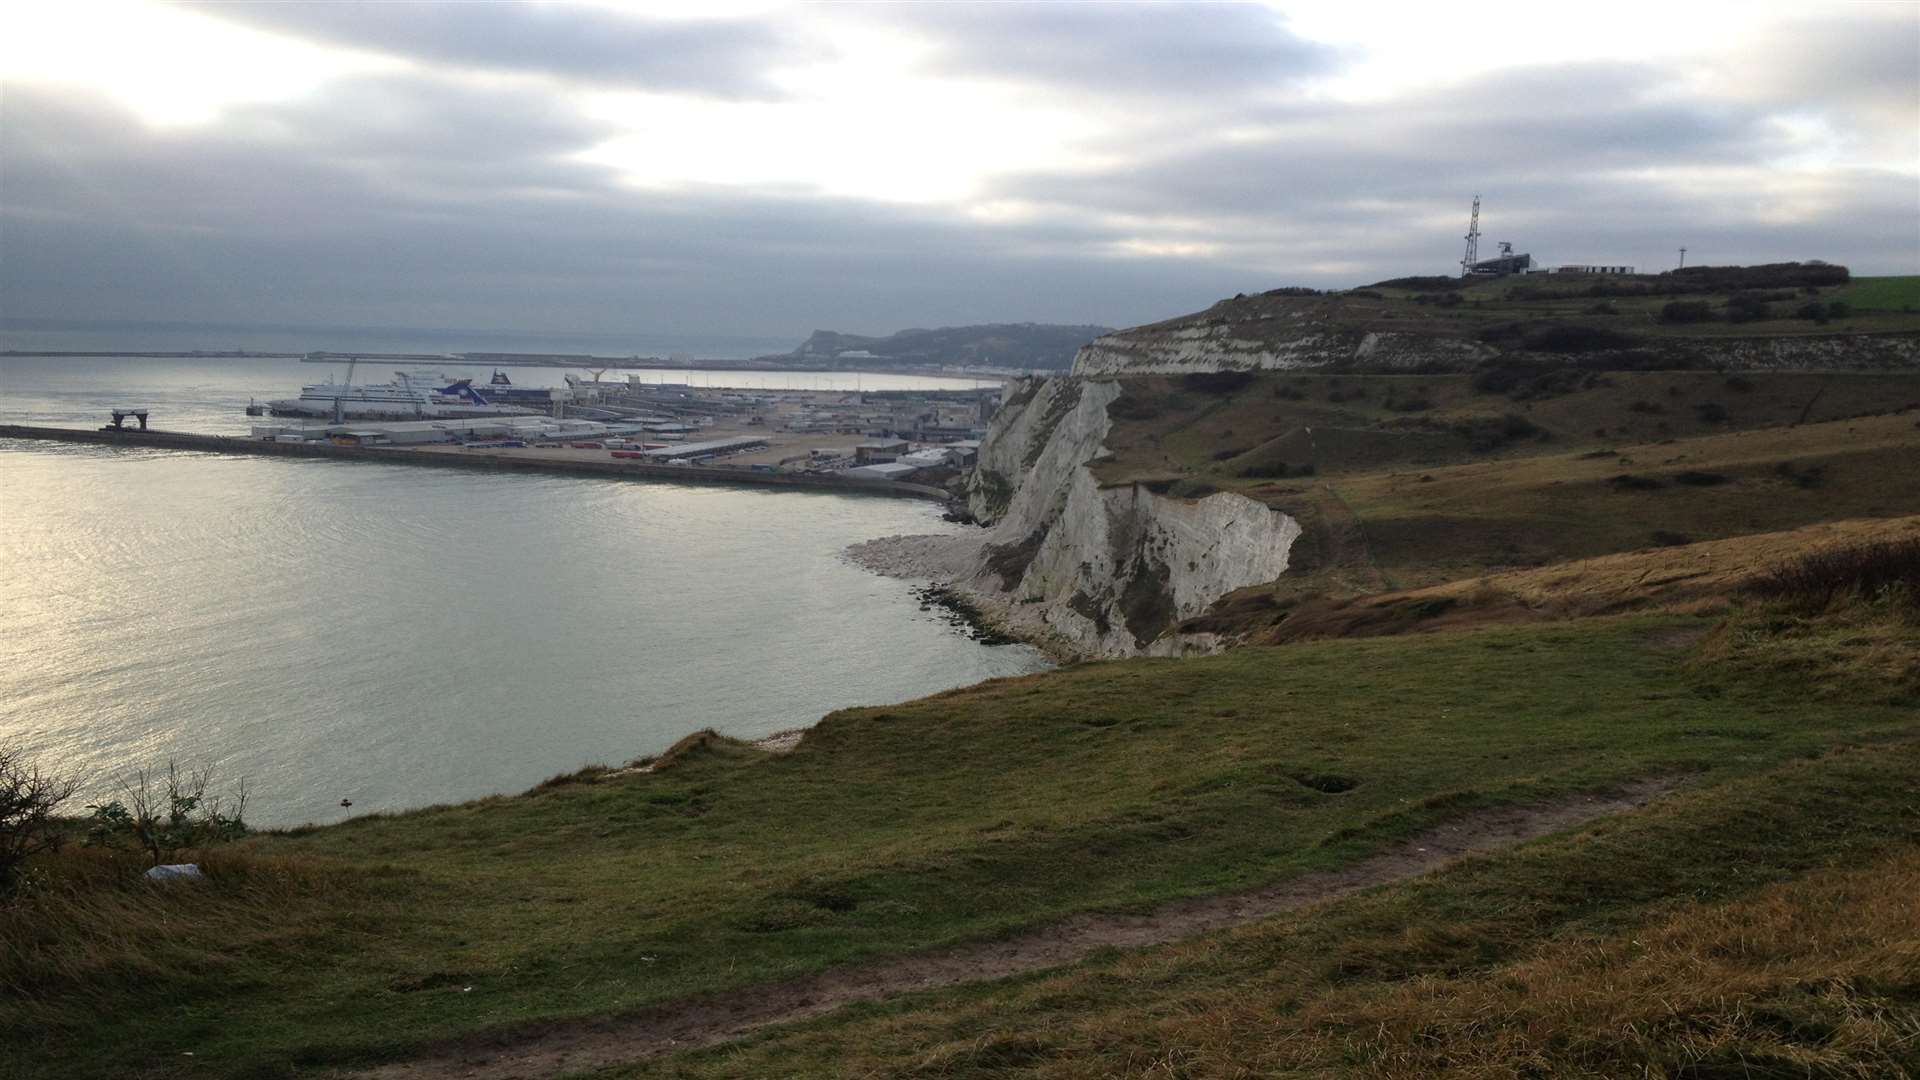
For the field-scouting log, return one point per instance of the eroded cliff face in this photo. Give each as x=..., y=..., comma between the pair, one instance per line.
x=1103, y=571
x=1222, y=346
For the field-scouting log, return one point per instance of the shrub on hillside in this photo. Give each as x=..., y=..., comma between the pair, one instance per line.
x=1630, y=482
x=1492, y=432
x=1697, y=478
x=1888, y=571
x=29, y=799
x=1431, y=283
x=1747, y=307
x=1711, y=412
x=1686, y=311
x=1767, y=276
x=165, y=811
x=1216, y=382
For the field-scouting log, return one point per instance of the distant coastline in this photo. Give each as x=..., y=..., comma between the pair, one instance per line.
x=552, y=360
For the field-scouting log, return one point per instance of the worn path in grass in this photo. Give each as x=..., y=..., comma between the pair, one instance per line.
x=574, y=1048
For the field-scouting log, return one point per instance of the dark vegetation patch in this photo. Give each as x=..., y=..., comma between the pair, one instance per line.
x=1664, y=538
x=1631, y=482
x=1216, y=383
x=1274, y=470
x=1064, y=399
x=1484, y=433
x=1329, y=783
x=1094, y=610
x=1686, y=311
x=1888, y=571
x=1428, y=283
x=1010, y=561
x=1230, y=452
x=1145, y=602
x=1810, y=477
x=1697, y=478
x=1134, y=405
x=1191, y=488
x=1555, y=337
x=1711, y=412
x=1236, y=613
x=995, y=491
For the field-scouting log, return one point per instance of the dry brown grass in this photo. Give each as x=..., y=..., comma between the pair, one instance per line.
x=90, y=925
x=1690, y=577
x=1819, y=977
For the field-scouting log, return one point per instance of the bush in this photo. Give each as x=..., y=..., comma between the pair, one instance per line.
x=1694, y=478
x=1630, y=482
x=1746, y=307
x=1191, y=489
x=1492, y=432
x=1889, y=570
x=29, y=798
x=1433, y=283
x=1216, y=382
x=1814, y=311
x=164, y=812
x=1686, y=311
x=1768, y=276
x=1711, y=412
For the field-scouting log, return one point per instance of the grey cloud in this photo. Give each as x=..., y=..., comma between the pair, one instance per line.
x=218, y=227
x=446, y=199
x=723, y=58
x=1161, y=50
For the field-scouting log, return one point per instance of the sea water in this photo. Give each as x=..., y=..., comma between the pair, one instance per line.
x=397, y=636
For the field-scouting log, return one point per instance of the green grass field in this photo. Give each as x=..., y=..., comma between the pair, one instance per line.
x=963, y=816
x=1765, y=927
x=1882, y=293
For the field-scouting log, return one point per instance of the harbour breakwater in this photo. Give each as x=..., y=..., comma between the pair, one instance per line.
x=682, y=474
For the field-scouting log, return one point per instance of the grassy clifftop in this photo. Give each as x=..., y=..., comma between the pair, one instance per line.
x=1410, y=480
x=981, y=813
x=1522, y=312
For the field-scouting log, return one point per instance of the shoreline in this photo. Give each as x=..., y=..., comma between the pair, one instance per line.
x=945, y=565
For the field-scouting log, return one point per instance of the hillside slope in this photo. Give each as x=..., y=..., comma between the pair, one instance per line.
x=1006, y=808
x=1445, y=324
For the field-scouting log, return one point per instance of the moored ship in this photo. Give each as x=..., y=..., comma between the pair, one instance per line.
x=411, y=395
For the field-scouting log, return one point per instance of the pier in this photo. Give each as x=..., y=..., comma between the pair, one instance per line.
x=492, y=462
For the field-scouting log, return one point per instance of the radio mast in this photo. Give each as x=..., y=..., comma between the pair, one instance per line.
x=1473, y=240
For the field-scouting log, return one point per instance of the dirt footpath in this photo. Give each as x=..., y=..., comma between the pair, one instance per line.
x=580, y=1047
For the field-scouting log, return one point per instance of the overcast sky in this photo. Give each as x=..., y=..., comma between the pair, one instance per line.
x=712, y=168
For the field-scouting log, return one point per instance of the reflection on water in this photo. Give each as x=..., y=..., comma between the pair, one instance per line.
x=407, y=636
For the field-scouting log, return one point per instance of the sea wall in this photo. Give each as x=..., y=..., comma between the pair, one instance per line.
x=476, y=459
x=1102, y=571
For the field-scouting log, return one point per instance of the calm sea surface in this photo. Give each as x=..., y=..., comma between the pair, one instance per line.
x=400, y=636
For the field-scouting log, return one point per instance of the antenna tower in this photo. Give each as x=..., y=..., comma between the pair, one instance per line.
x=1683, y=258
x=1473, y=240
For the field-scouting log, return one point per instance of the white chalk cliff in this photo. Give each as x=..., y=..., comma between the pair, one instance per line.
x=1103, y=571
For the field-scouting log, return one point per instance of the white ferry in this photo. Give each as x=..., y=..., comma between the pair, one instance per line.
x=411, y=395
